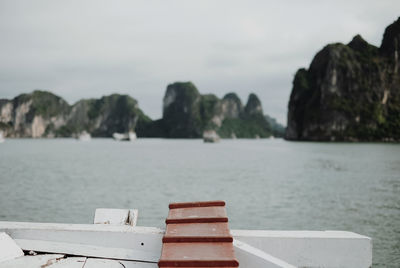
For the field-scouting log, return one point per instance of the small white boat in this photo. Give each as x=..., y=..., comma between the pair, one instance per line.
x=2, y=139
x=210, y=136
x=130, y=136
x=84, y=136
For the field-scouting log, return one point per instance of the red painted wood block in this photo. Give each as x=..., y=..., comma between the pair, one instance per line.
x=197, y=232
x=217, y=203
x=197, y=215
x=198, y=255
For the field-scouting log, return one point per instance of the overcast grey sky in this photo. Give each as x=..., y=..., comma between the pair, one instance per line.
x=85, y=49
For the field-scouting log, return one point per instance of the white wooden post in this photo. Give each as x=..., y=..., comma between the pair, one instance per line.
x=115, y=216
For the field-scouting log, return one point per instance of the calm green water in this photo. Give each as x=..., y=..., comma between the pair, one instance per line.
x=268, y=184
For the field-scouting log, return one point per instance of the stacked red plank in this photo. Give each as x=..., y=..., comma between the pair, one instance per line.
x=197, y=235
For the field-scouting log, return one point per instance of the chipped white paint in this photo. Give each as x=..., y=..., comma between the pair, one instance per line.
x=253, y=257
x=70, y=262
x=8, y=248
x=100, y=263
x=38, y=261
x=134, y=264
x=87, y=250
x=133, y=216
x=103, y=263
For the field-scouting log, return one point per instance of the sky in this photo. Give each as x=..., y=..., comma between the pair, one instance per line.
x=87, y=49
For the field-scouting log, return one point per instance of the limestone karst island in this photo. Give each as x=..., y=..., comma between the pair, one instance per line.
x=350, y=92
x=186, y=114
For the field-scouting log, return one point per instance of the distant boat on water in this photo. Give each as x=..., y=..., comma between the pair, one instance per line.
x=84, y=136
x=2, y=139
x=130, y=136
x=210, y=136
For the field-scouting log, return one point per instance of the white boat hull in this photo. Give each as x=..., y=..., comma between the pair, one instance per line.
x=130, y=136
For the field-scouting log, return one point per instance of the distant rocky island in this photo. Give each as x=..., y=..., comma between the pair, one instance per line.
x=186, y=114
x=349, y=93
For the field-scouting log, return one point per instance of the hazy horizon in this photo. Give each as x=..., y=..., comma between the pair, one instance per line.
x=87, y=49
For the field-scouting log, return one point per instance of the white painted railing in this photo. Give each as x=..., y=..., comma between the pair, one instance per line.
x=130, y=244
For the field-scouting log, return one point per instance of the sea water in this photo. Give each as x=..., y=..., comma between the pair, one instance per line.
x=267, y=184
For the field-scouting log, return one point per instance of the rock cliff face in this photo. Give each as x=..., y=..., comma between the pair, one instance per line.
x=187, y=114
x=232, y=106
x=105, y=116
x=253, y=106
x=181, y=111
x=33, y=115
x=43, y=114
x=349, y=93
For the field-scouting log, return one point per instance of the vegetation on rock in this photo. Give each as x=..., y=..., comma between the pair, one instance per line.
x=350, y=92
x=43, y=114
x=186, y=114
